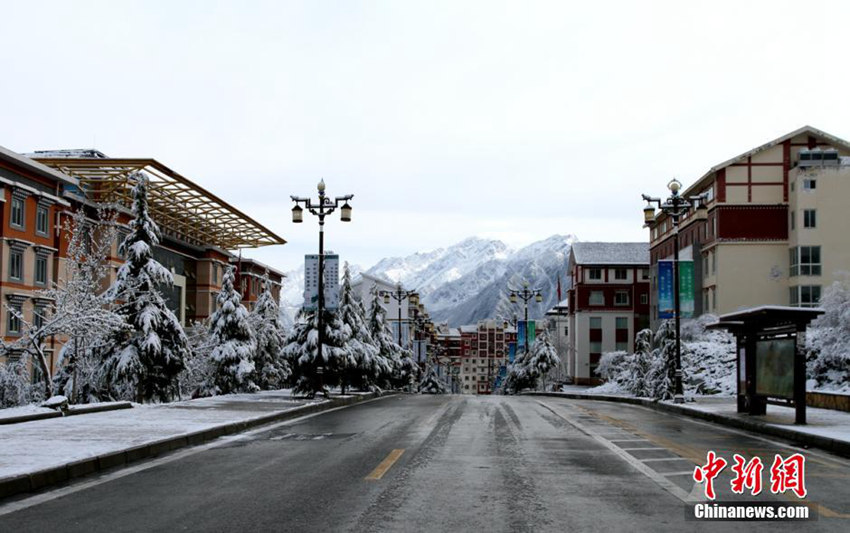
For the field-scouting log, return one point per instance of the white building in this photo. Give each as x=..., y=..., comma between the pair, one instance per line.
x=397, y=312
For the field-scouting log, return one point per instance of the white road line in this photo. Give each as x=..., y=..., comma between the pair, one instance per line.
x=634, y=449
x=684, y=473
x=628, y=440
x=38, y=499
x=662, y=481
x=663, y=459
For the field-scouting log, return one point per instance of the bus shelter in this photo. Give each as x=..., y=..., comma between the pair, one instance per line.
x=771, y=358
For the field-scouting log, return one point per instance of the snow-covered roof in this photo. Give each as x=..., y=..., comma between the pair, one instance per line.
x=261, y=266
x=805, y=129
x=469, y=329
x=35, y=166
x=743, y=313
x=377, y=279
x=611, y=253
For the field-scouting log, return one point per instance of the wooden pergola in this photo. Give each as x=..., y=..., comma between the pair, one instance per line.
x=183, y=210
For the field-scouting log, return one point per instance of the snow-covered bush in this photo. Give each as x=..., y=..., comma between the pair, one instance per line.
x=233, y=341
x=364, y=366
x=432, y=384
x=16, y=387
x=403, y=368
x=828, y=340
x=143, y=360
x=529, y=367
x=311, y=374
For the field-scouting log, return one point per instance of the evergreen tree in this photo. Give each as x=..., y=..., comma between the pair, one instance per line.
x=363, y=364
x=233, y=341
x=432, y=384
x=829, y=335
x=544, y=357
x=302, y=350
x=663, y=370
x=271, y=367
x=145, y=358
x=400, y=360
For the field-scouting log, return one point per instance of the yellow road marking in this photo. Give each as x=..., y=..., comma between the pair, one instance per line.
x=385, y=465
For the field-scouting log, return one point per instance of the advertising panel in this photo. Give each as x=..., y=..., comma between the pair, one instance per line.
x=666, y=289
x=775, y=368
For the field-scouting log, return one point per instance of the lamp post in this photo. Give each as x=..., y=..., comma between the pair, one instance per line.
x=325, y=206
x=675, y=206
x=526, y=294
x=399, y=296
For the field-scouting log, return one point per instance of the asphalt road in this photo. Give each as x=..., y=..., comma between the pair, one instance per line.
x=437, y=463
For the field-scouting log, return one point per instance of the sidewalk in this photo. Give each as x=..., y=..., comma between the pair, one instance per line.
x=39, y=453
x=826, y=429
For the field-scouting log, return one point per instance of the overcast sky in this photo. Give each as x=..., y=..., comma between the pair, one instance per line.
x=445, y=119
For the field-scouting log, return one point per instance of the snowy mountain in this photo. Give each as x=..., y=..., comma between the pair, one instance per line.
x=468, y=281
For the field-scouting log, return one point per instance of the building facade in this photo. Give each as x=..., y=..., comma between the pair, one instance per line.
x=484, y=355
x=608, y=303
x=773, y=230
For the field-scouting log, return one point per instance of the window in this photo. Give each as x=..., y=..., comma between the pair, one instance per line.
x=16, y=264
x=17, y=214
x=644, y=273
x=595, y=322
x=621, y=274
x=810, y=184
x=14, y=322
x=622, y=322
x=809, y=218
x=805, y=295
x=621, y=346
x=714, y=262
x=595, y=274
x=215, y=274
x=597, y=298
x=41, y=270
x=621, y=298
x=705, y=264
x=595, y=347
x=644, y=299
x=566, y=330
x=805, y=261
x=41, y=218
x=792, y=219
x=38, y=316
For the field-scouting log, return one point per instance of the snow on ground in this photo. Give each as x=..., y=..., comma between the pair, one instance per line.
x=24, y=410
x=32, y=446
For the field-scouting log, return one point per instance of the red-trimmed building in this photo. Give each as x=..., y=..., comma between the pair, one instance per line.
x=608, y=302
x=775, y=232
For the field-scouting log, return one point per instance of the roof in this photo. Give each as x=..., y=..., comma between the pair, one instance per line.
x=805, y=129
x=35, y=166
x=611, y=253
x=468, y=329
x=262, y=266
x=183, y=209
x=371, y=277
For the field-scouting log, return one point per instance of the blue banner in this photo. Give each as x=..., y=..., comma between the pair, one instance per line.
x=511, y=352
x=520, y=336
x=665, y=290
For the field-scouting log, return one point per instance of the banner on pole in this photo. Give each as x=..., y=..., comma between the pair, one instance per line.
x=665, y=289
x=520, y=336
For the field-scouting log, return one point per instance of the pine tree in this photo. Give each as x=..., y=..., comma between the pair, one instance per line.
x=829, y=337
x=544, y=357
x=432, y=384
x=146, y=358
x=663, y=370
x=401, y=362
x=271, y=367
x=233, y=341
x=310, y=374
x=363, y=364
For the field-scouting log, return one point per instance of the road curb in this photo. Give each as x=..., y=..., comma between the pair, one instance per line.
x=33, y=481
x=76, y=410
x=838, y=447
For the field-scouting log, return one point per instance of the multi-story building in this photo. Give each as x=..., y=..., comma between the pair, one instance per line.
x=397, y=313
x=484, y=355
x=608, y=302
x=448, y=350
x=251, y=275
x=774, y=228
x=199, y=230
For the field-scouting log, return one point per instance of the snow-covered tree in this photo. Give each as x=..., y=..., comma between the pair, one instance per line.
x=310, y=373
x=544, y=357
x=73, y=308
x=662, y=372
x=233, y=341
x=196, y=380
x=364, y=365
x=401, y=361
x=431, y=383
x=829, y=339
x=145, y=359
x=270, y=365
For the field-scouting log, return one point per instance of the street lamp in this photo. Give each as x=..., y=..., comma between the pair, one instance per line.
x=325, y=206
x=526, y=294
x=399, y=295
x=675, y=206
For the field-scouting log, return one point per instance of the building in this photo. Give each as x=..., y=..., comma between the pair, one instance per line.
x=484, y=355
x=608, y=302
x=199, y=230
x=397, y=313
x=251, y=274
x=449, y=350
x=774, y=233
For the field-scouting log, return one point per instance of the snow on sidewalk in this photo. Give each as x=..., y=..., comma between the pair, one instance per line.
x=32, y=446
x=822, y=422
